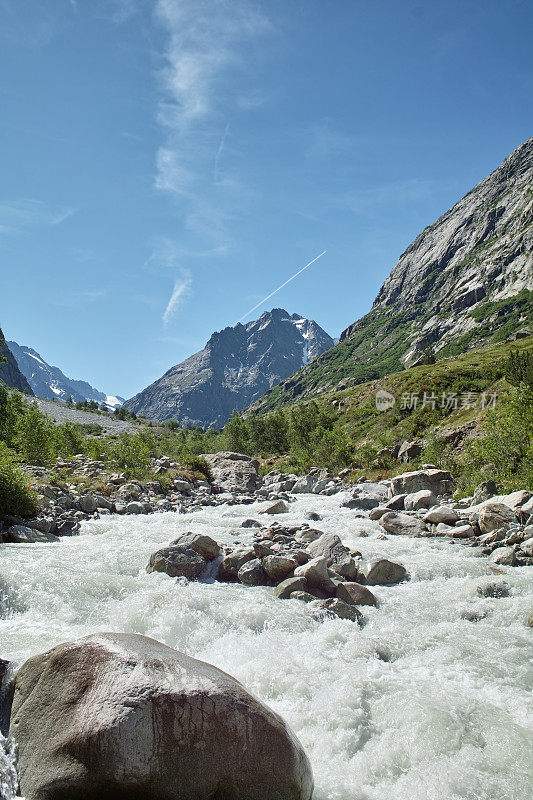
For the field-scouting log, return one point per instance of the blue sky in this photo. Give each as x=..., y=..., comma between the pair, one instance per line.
x=168, y=163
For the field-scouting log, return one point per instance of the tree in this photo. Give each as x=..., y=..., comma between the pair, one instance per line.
x=69, y=401
x=519, y=369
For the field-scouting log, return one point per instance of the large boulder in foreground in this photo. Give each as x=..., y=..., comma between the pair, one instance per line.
x=234, y=471
x=122, y=716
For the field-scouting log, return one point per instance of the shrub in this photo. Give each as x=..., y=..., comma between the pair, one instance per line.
x=15, y=496
x=36, y=437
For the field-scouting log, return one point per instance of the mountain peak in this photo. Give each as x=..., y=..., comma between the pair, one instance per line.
x=237, y=365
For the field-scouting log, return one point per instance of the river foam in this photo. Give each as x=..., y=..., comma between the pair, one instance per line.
x=419, y=704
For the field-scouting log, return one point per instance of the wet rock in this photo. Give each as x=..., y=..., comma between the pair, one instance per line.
x=494, y=589
x=384, y=573
x=7, y=686
x=474, y=615
x=231, y=564
x=177, y=562
x=132, y=728
x=313, y=516
x=316, y=574
x=355, y=594
x=284, y=589
x=279, y=567
x=252, y=573
x=21, y=534
x=377, y=513
x=277, y=507
x=338, y=608
x=402, y=524
x=250, y=523
x=338, y=556
x=506, y=556
x=135, y=508
x=305, y=597
x=204, y=545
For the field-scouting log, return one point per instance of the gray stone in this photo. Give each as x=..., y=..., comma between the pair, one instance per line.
x=305, y=597
x=252, y=573
x=338, y=608
x=204, y=545
x=462, y=532
x=287, y=587
x=384, y=573
x=442, y=514
x=505, y=556
x=135, y=508
x=494, y=589
x=250, y=523
x=123, y=716
x=437, y=481
x=234, y=471
x=277, y=507
x=87, y=503
x=402, y=524
x=316, y=574
x=279, y=567
x=409, y=451
x=21, y=534
x=355, y=594
x=494, y=515
x=231, y=564
x=418, y=500
x=177, y=562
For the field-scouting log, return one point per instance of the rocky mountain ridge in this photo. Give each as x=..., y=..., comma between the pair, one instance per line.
x=465, y=280
x=51, y=383
x=10, y=374
x=236, y=367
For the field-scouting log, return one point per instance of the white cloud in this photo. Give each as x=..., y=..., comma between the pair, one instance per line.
x=206, y=49
x=204, y=38
x=21, y=215
x=181, y=289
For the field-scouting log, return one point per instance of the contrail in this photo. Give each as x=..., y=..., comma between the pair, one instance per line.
x=281, y=287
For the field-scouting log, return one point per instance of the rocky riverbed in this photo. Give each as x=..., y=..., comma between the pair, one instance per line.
x=427, y=699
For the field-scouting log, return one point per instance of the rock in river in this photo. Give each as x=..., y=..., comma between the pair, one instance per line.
x=122, y=716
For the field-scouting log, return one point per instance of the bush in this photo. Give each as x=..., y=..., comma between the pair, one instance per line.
x=15, y=496
x=36, y=437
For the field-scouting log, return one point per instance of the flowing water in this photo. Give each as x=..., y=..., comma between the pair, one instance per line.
x=419, y=704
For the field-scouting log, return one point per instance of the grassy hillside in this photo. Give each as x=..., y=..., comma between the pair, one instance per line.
x=378, y=341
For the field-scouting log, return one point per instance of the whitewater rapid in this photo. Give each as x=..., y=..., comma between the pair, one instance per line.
x=419, y=704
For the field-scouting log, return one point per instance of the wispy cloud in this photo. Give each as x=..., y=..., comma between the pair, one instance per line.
x=207, y=45
x=182, y=288
x=21, y=215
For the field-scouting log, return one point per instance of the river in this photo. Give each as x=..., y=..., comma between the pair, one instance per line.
x=419, y=704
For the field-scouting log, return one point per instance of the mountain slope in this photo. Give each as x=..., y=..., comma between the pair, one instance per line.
x=236, y=367
x=465, y=280
x=50, y=383
x=10, y=374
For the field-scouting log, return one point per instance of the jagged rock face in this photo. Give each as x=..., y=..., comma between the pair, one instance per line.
x=465, y=280
x=235, y=368
x=478, y=251
x=50, y=383
x=10, y=374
